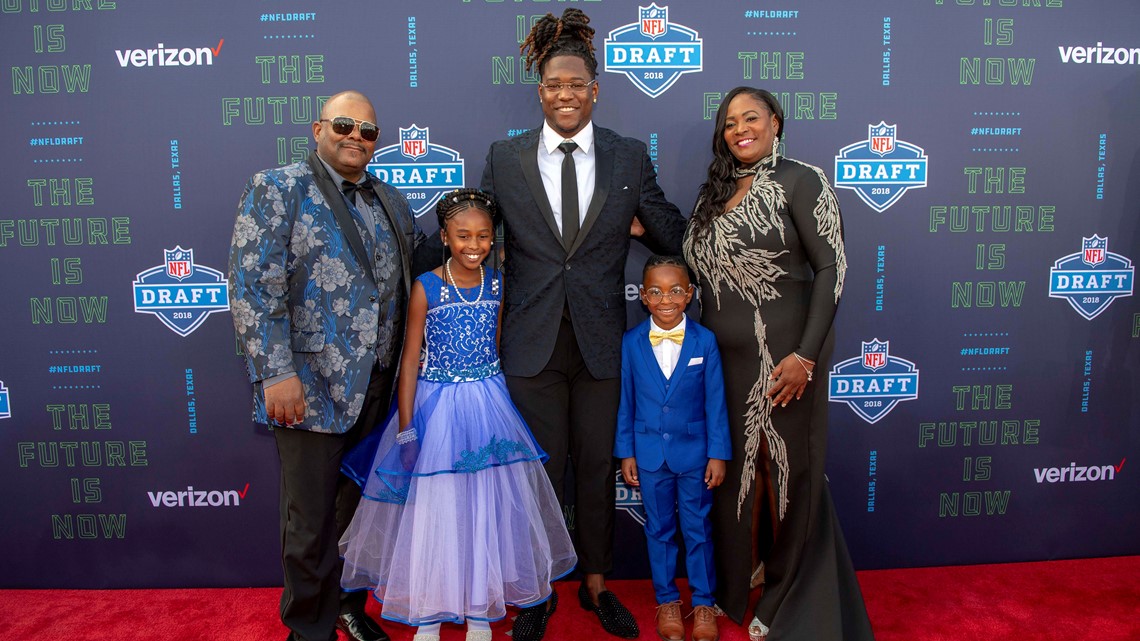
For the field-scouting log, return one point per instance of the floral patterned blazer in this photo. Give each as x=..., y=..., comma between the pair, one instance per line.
x=304, y=294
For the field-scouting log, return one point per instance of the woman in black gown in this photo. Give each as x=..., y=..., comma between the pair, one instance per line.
x=766, y=243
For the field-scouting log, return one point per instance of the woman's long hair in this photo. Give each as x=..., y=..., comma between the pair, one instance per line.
x=721, y=182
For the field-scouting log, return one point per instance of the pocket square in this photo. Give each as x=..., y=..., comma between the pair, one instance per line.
x=696, y=360
x=624, y=188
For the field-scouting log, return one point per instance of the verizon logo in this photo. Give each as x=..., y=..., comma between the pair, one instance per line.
x=1078, y=473
x=1099, y=55
x=198, y=498
x=163, y=57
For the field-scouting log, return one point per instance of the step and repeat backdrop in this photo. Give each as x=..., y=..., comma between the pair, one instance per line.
x=986, y=154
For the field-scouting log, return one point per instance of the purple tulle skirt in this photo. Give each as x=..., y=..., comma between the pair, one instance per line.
x=461, y=522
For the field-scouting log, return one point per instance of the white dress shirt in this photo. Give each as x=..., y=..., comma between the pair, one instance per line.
x=667, y=352
x=550, y=167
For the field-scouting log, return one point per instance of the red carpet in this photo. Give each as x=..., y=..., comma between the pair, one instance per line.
x=1057, y=600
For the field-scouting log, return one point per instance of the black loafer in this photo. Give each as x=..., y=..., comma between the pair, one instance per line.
x=360, y=627
x=615, y=618
x=530, y=624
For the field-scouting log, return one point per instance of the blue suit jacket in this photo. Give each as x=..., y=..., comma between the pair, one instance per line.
x=681, y=420
x=304, y=294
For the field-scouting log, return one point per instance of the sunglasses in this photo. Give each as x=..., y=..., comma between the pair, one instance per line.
x=344, y=125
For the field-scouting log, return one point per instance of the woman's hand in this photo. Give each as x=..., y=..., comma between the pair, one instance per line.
x=789, y=380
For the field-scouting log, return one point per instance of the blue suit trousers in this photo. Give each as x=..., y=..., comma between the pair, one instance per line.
x=668, y=497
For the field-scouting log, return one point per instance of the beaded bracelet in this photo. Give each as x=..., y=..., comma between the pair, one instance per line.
x=407, y=436
x=804, y=364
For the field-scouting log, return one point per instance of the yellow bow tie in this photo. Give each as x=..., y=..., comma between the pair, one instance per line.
x=675, y=335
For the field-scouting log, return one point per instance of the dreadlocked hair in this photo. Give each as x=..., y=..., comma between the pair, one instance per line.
x=570, y=35
x=464, y=199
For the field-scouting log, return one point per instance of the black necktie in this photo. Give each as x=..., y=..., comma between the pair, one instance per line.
x=350, y=190
x=569, y=194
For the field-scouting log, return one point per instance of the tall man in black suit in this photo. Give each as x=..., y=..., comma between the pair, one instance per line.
x=570, y=192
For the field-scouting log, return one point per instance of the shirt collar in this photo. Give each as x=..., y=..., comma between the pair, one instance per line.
x=551, y=139
x=337, y=178
x=653, y=326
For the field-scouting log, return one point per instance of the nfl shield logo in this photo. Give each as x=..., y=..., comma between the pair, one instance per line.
x=881, y=138
x=179, y=263
x=1095, y=249
x=875, y=354
x=654, y=21
x=414, y=141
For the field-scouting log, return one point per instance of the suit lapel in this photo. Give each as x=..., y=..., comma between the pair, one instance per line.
x=397, y=232
x=688, y=346
x=528, y=159
x=340, y=212
x=603, y=173
x=648, y=360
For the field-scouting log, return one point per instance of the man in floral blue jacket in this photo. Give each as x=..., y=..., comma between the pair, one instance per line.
x=320, y=269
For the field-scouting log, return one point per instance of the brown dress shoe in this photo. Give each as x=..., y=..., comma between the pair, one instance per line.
x=704, y=623
x=670, y=625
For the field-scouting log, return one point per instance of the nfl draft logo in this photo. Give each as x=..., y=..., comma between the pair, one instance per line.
x=1091, y=278
x=5, y=403
x=881, y=168
x=629, y=500
x=180, y=293
x=423, y=172
x=874, y=382
x=653, y=52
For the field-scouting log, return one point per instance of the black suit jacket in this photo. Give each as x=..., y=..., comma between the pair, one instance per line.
x=541, y=277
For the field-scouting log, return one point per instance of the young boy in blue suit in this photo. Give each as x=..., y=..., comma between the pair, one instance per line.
x=672, y=439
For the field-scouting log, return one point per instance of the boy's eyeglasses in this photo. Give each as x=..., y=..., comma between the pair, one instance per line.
x=655, y=295
x=344, y=125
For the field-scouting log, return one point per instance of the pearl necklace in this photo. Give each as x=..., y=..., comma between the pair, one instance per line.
x=447, y=268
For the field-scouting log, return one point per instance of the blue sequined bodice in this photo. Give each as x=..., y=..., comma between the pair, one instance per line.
x=459, y=337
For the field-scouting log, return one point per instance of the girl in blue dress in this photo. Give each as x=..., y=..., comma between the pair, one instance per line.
x=459, y=519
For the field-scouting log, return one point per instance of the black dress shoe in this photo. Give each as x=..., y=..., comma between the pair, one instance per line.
x=615, y=618
x=530, y=624
x=360, y=627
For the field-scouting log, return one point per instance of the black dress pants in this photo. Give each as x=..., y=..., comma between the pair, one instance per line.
x=572, y=414
x=317, y=504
